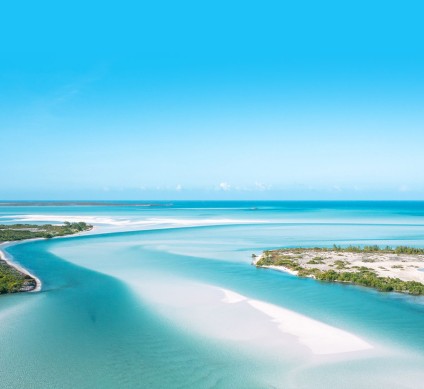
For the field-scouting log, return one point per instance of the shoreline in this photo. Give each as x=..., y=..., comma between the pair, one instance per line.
x=10, y=262
x=272, y=267
x=385, y=271
x=21, y=269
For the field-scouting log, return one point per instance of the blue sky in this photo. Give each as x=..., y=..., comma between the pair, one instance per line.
x=212, y=100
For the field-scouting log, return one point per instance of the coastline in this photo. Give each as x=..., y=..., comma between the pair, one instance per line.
x=272, y=267
x=21, y=269
x=405, y=267
x=385, y=271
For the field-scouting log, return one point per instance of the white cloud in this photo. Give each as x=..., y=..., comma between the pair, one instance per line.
x=179, y=187
x=225, y=186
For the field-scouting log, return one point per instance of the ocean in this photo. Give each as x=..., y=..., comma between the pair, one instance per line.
x=164, y=295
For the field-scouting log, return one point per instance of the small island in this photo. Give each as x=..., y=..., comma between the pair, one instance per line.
x=385, y=269
x=13, y=278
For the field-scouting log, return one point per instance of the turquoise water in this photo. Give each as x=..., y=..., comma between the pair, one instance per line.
x=144, y=308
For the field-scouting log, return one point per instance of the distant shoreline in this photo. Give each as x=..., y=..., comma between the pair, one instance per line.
x=82, y=204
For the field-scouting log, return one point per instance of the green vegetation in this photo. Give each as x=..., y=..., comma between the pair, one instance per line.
x=359, y=249
x=11, y=232
x=340, y=264
x=378, y=249
x=371, y=279
x=271, y=259
x=316, y=261
x=358, y=275
x=12, y=280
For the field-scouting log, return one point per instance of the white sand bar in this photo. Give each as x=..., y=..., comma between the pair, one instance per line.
x=320, y=338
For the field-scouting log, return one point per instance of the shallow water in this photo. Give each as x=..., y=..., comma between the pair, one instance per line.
x=148, y=308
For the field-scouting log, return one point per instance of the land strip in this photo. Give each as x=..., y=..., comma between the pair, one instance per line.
x=386, y=269
x=13, y=278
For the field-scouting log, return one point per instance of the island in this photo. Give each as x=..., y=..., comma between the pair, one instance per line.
x=15, y=279
x=387, y=269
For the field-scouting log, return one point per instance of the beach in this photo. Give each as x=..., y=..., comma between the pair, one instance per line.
x=19, y=268
x=11, y=263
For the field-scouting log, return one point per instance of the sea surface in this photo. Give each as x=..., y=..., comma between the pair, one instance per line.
x=164, y=295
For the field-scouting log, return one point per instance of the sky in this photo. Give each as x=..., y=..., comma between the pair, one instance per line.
x=211, y=100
